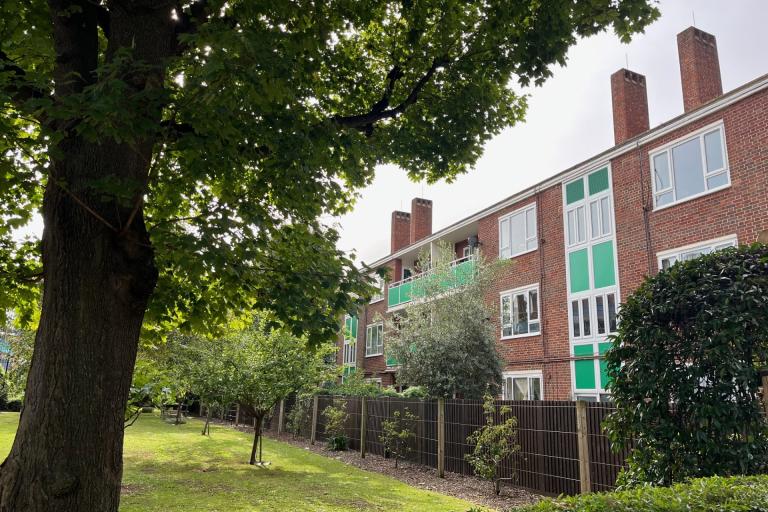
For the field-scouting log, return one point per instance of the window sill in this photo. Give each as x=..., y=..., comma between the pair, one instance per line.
x=374, y=355
x=696, y=196
x=518, y=254
x=517, y=336
x=376, y=301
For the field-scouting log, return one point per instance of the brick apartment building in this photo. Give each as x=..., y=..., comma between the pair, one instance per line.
x=583, y=239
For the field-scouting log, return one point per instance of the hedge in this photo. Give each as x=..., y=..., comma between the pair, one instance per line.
x=713, y=494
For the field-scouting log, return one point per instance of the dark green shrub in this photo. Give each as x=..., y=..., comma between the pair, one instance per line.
x=714, y=494
x=685, y=369
x=414, y=392
x=13, y=405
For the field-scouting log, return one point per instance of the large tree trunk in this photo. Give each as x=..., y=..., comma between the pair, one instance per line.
x=99, y=274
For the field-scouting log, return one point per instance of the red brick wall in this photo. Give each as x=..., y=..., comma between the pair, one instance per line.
x=742, y=208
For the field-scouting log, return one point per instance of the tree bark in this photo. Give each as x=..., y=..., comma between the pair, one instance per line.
x=178, y=413
x=207, y=426
x=256, y=439
x=99, y=274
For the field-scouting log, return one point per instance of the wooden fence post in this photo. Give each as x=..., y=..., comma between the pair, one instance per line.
x=441, y=437
x=281, y=417
x=363, y=424
x=237, y=415
x=314, y=421
x=582, y=437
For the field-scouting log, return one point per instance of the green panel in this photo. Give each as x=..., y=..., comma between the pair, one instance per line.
x=583, y=350
x=393, y=296
x=604, y=347
x=391, y=361
x=579, y=270
x=604, y=378
x=464, y=272
x=602, y=264
x=585, y=374
x=405, y=292
x=574, y=191
x=598, y=181
x=354, y=328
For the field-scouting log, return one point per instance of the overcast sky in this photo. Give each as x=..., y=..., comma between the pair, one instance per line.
x=569, y=118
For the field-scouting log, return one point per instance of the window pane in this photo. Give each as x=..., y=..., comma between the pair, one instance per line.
x=611, y=312
x=594, y=217
x=586, y=398
x=713, y=148
x=661, y=171
x=521, y=388
x=506, y=313
x=518, y=233
x=600, y=315
x=571, y=227
x=717, y=181
x=664, y=198
x=506, y=331
x=520, y=313
x=533, y=298
x=580, y=224
x=535, y=388
x=530, y=223
x=605, y=212
x=504, y=238
x=585, y=314
x=534, y=326
x=686, y=162
x=668, y=262
x=576, y=318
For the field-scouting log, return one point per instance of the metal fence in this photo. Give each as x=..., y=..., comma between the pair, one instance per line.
x=563, y=448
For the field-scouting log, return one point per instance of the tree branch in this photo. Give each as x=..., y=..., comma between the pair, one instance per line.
x=23, y=90
x=379, y=111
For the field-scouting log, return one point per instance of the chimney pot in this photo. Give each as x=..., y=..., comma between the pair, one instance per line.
x=699, y=67
x=421, y=219
x=630, y=105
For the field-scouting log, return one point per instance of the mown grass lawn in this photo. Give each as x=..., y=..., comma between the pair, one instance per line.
x=174, y=468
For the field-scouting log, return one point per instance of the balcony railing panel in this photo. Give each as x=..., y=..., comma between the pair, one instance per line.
x=402, y=292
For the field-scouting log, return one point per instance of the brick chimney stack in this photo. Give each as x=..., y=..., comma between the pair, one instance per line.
x=401, y=230
x=630, y=105
x=421, y=219
x=699, y=67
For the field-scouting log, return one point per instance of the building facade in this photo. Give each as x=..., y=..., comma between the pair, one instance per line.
x=584, y=239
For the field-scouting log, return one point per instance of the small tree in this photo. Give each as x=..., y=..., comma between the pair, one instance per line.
x=685, y=369
x=266, y=364
x=398, y=434
x=444, y=341
x=299, y=414
x=336, y=417
x=493, y=442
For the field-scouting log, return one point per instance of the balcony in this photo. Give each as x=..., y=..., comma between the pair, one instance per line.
x=403, y=292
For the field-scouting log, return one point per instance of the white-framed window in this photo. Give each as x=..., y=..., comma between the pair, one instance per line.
x=373, y=380
x=350, y=341
x=668, y=258
x=374, y=340
x=522, y=385
x=589, y=220
x=594, y=315
x=690, y=167
x=520, y=312
x=466, y=251
x=517, y=232
x=379, y=283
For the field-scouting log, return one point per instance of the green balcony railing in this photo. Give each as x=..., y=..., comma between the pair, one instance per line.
x=402, y=292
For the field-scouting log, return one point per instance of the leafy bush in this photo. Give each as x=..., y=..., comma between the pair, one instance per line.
x=493, y=443
x=398, y=433
x=13, y=405
x=714, y=494
x=414, y=392
x=685, y=370
x=335, y=418
x=299, y=414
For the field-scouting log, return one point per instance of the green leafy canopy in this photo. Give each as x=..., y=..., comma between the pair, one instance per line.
x=273, y=114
